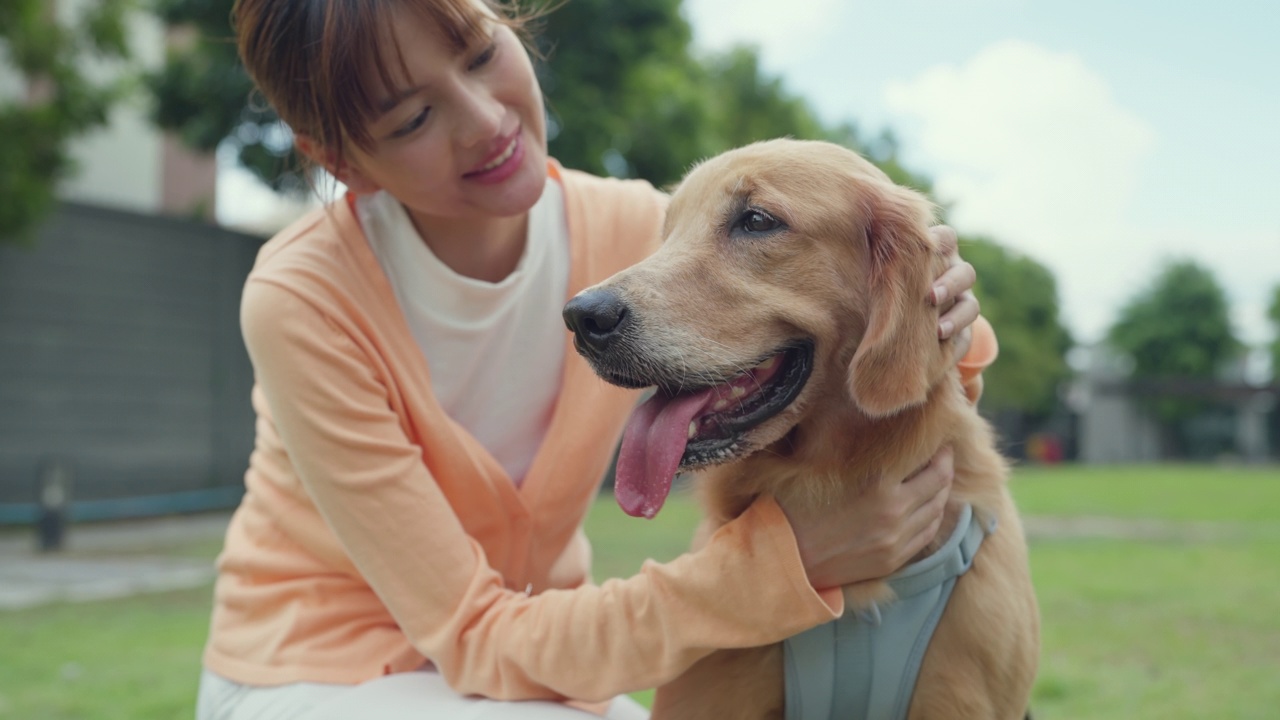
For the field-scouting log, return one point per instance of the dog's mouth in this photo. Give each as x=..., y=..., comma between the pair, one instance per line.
x=690, y=427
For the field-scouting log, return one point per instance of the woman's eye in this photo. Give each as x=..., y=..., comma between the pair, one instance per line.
x=414, y=123
x=484, y=57
x=758, y=221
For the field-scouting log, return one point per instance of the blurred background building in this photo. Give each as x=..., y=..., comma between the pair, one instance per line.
x=142, y=176
x=121, y=364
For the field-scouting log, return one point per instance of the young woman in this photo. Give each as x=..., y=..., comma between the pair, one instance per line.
x=410, y=542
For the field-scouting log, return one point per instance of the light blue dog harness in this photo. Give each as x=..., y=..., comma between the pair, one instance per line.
x=863, y=666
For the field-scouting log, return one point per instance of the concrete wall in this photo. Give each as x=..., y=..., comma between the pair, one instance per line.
x=120, y=353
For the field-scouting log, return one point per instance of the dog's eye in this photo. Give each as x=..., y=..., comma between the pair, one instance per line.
x=758, y=221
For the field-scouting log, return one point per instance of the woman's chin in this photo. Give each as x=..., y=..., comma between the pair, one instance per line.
x=524, y=188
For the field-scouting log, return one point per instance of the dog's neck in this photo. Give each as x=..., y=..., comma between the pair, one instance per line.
x=837, y=450
x=837, y=440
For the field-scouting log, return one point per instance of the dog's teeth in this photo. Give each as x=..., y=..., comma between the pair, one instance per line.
x=720, y=404
x=738, y=391
x=767, y=363
x=693, y=429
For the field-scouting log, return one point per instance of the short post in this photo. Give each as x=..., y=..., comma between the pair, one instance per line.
x=54, y=502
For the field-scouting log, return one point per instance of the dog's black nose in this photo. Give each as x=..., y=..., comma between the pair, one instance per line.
x=596, y=317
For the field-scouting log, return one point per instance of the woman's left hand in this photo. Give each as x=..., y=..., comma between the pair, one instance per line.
x=953, y=293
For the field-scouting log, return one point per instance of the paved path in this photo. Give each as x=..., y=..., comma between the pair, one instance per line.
x=122, y=559
x=103, y=561
x=1112, y=528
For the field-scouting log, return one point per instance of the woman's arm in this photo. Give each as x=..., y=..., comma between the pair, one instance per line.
x=376, y=492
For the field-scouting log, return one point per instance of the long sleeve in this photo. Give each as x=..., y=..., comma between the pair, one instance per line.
x=982, y=352
x=379, y=493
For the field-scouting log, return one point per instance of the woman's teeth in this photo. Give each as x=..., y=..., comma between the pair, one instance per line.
x=506, y=155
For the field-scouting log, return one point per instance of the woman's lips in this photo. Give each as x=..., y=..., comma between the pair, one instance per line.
x=501, y=166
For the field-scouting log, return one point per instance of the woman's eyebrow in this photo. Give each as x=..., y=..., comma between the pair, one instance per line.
x=388, y=104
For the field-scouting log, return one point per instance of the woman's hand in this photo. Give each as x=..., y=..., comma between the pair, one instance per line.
x=953, y=293
x=875, y=532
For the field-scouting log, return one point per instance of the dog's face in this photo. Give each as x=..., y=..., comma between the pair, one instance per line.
x=791, y=273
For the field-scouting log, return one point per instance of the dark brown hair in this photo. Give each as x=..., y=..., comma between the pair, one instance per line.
x=312, y=59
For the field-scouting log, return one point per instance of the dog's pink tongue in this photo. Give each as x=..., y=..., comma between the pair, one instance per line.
x=651, y=449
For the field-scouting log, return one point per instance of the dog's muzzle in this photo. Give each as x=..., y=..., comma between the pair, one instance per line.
x=597, y=319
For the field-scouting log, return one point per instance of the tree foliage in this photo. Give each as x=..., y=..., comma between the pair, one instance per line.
x=204, y=94
x=618, y=80
x=63, y=102
x=1020, y=298
x=629, y=97
x=1179, y=327
x=1273, y=313
x=625, y=94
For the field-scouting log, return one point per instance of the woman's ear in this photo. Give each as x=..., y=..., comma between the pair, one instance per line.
x=346, y=173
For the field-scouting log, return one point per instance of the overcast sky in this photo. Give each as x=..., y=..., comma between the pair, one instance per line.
x=1098, y=137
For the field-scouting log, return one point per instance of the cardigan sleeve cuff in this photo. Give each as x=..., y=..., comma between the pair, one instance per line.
x=765, y=517
x=983, y=351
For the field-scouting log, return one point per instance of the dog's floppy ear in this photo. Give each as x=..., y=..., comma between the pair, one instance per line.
x=900, y=356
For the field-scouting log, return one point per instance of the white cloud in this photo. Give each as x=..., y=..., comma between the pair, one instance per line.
x=1034, y=150
x=783, y=31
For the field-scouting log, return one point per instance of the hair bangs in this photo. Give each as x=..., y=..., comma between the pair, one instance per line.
x=327, y=65
x=361, y=58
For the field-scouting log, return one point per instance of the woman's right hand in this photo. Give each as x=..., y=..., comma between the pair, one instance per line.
x=873, y=533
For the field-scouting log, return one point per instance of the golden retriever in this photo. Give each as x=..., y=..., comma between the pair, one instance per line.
x=785, y=324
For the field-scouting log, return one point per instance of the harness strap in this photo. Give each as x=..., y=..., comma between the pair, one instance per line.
x=863, y=666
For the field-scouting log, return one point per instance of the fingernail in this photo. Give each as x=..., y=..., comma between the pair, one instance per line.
x=939, y=294
x=945, y=329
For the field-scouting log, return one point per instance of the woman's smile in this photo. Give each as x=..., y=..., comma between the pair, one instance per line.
x=501, y=166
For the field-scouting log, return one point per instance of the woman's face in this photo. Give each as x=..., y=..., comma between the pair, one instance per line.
x=463, y=136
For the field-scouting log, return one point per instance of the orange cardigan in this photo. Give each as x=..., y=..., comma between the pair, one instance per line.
x=376, y=534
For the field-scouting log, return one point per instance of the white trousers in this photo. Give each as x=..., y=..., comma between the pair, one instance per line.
x=420, y=695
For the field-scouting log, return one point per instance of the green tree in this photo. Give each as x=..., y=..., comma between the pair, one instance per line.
x=1273, y=313
x=61, y=102
x=1177, y=329
x=1020, y=298
x=752, y=105
x=619, y=78
x=204, y=94
x=625, y=94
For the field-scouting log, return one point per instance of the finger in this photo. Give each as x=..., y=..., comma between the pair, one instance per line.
x=931, y=481
x=947, y=241
x=960, y=316
x=963, y=341
x=957, y=280
x=942, y=467
x=927, y=512
x=921, y=539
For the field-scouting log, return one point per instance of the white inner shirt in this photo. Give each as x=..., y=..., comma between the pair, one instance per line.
x=495, y=350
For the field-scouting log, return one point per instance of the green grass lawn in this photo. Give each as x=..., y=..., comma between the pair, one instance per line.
x=1169, y=492
x=1173, y=630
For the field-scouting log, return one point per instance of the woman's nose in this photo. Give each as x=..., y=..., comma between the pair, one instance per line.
x=482, y=115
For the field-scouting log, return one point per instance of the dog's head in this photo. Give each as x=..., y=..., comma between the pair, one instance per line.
x=792, y=274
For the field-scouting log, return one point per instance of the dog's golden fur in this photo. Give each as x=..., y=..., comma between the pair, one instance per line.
x=850, y=271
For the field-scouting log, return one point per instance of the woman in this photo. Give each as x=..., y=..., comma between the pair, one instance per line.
x=427, y=447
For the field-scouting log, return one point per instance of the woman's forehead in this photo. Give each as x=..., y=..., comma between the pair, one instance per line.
x=370, y=51
x=422, y=29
